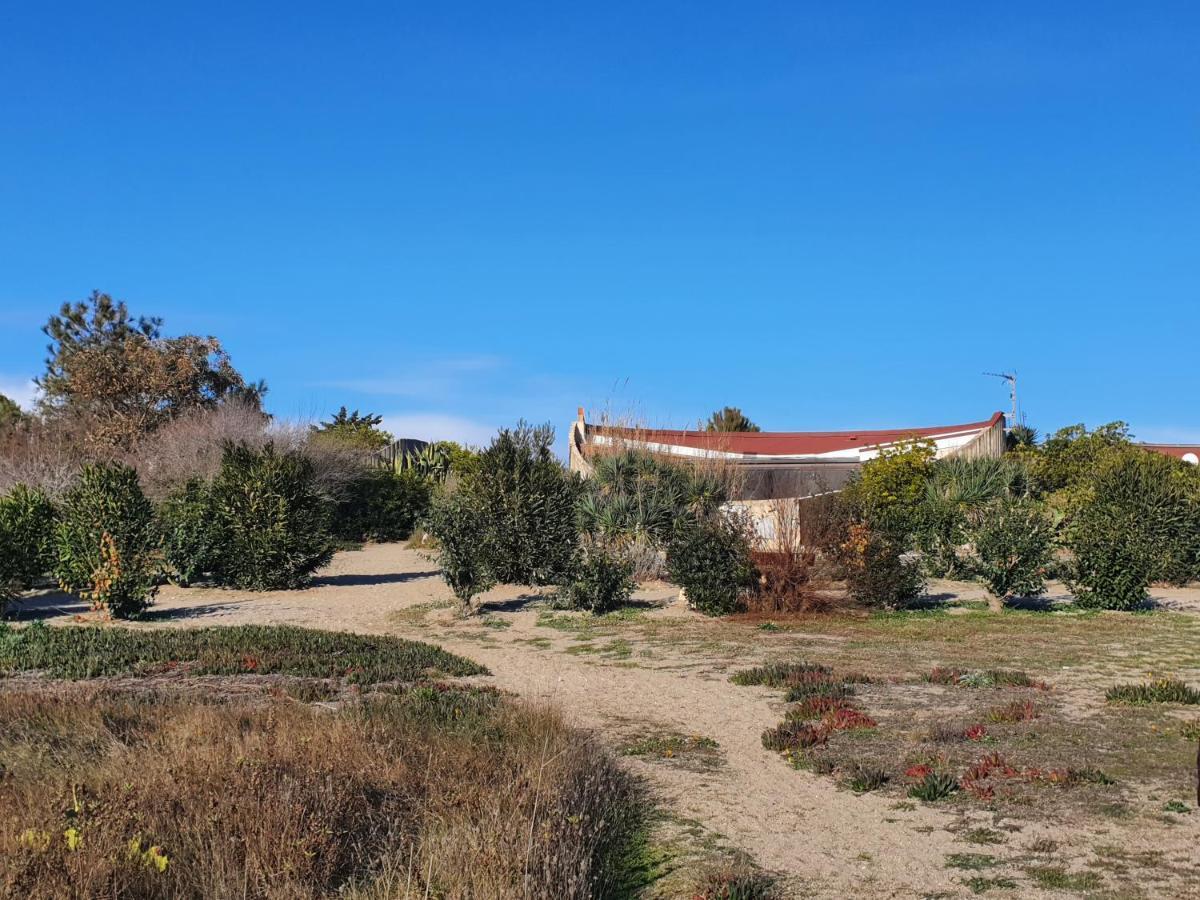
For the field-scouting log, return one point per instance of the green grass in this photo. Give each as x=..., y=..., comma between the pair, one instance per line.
x=669, y=746
x=971, y=861
x=1054, y=878
x=88, y=652
x=1164, y=690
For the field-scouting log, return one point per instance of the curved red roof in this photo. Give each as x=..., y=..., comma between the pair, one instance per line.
x=1179, y=451
x=789, y=443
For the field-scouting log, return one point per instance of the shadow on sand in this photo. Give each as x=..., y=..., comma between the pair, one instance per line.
x=351, y=580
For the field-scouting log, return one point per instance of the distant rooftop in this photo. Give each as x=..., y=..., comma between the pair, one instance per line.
x=789, y=445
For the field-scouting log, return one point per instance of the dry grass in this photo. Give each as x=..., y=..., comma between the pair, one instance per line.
x=435, y=792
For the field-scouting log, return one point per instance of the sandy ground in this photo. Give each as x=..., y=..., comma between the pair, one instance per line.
x=824, y=841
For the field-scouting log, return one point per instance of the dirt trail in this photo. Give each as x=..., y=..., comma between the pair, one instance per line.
x=824, y=841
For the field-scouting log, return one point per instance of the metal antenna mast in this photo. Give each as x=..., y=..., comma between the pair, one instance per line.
x=1011, y=378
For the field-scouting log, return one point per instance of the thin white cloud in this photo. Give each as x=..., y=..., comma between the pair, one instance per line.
x=440, y=427
x=21, y=390
x=426, y=379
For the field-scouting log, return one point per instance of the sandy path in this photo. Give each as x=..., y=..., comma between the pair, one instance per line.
x=824, y=841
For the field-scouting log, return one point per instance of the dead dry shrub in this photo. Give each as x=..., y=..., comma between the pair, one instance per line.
x=796, y=564
x=190, y=446
x=44, y=454
x=113, y=794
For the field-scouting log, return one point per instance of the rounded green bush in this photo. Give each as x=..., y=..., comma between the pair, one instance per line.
x=711, y=561
x=274, y=524
x=192, y=533
x=27, y=550
x=600, y=583
x=106, y=540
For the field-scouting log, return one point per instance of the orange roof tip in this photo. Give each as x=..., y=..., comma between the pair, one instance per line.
x=580, y=411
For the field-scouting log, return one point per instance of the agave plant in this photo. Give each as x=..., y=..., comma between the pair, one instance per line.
x=431, y=462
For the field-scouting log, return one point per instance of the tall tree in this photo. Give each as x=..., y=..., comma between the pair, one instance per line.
x=10, y=413
x=730, y=418
x=125, y=378
x=360, y=430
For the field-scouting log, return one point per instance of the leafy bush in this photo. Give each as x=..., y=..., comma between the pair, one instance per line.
x=106, y=541
x=710, y=560
x=1013, y=543
x=27, y=549
x=601, y=581
x=381, y=505
x=876, y=574
x=192, y=533
x=275, y=526
x=525, y=501
x=1070, y=457
x=888, y=491
x=1111, y=569
x=462, y=551
x=1139, y=521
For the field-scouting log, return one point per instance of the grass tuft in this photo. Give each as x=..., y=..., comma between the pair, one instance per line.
x=1162, y=690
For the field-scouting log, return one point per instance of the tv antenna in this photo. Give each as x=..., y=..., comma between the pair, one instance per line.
x=1011, y=378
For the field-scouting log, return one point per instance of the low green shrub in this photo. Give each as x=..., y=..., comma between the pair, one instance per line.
x=381, y=505
x=737, y=882
x=1112, y=567
x=192, y=533
x=876, y=572
x=863, y=778
x=462, y=550
x=525, y=501
x=27, y=520
x=711, y=561
x=275, y=525
x=1136, y=521
x=1013, y=542
x=600, y=582
x=1163, y=690
x=106, y=541
x=26, y=540
x=934, y=786
x=791, y=734
x=782, y=674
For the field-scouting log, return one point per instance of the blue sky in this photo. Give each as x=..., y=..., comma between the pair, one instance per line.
x=832, y=215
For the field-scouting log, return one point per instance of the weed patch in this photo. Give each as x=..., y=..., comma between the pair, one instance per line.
x=1163, y=690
